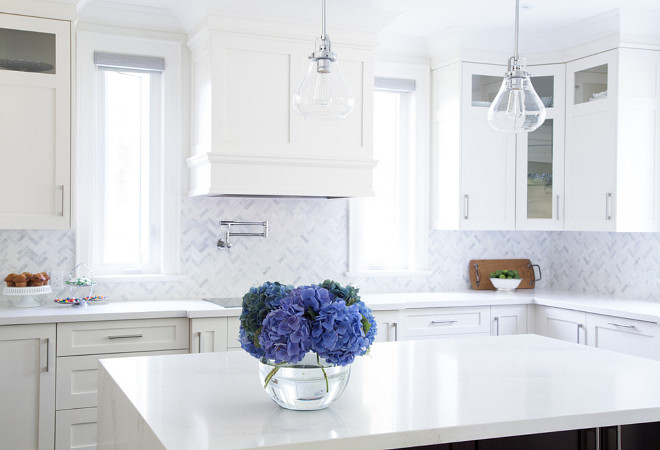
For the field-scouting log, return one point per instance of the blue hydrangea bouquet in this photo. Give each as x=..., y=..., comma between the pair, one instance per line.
x=281, y=323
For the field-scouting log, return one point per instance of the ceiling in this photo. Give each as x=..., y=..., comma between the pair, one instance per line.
x=414, y=18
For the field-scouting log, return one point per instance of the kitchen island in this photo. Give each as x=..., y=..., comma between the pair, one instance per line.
x=404, y=394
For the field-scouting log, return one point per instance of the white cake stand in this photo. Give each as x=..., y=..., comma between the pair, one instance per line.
x=28, y=293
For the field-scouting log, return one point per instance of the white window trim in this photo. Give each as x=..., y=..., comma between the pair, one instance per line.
x=85, y=159
x=422, y=76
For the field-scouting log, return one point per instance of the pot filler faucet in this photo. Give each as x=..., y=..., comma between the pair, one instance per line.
x=224, y=243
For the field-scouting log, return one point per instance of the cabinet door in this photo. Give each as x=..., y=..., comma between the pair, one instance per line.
x=387, y=323
x=487, y=157
x=233, y=327
x=540, y=157
x=558, y=323
x=35, y=66
x=508, y=319
x=632, y=337
x=208, y=335
x=27, y=408
x=590, y=153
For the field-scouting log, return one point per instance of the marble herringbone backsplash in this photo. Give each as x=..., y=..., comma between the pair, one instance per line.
x=308, y=243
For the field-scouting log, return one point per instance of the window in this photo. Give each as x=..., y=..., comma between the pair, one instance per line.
x=127, y=208
x=128, y=176
x=389, y=232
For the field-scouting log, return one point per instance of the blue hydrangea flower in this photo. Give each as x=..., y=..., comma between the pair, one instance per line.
x=313, y=297
x=257, y=303
x=337, y=333
x=285, y=333
x=368, y=322
x=248, y=344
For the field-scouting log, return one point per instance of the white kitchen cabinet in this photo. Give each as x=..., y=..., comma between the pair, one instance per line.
x=233, y=327
x=424, y=323
x=79, y=347
x=77, y=377
x=121, y=336
x=508, y=319
x=474, y=165
x=387, y=324
x=633, y=337
x=613, y=142
x=248, y=140
x=35, y=122
x=540, y=157
x=27, y=392
x=76, y=429
x=208, y=335
x=565, y=324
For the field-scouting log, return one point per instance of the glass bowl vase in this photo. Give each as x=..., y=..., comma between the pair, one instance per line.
x=310, y=384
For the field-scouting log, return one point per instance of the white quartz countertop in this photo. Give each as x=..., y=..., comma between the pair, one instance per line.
x=147, y=309
x=196, y=308
x=409, y=393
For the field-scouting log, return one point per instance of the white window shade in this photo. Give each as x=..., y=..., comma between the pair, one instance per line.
x=394, y=84
x=130, y=62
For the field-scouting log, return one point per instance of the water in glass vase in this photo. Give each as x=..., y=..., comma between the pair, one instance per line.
x=308, y=385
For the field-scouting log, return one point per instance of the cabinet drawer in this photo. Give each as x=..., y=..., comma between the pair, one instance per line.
x=77, y=377
x=233, y=325
x=119, y=336
x=633, y=337
x=75, y=429
x=446, y=321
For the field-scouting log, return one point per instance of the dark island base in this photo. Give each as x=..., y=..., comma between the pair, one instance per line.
x=643, y=436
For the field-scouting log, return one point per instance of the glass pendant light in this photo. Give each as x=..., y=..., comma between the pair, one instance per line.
x=516, y=108
x=324, y=92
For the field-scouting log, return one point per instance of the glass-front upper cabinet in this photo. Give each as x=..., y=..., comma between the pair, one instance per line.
x=27, y=51
x=590, y=84
x=35, y=122
x=540, y=157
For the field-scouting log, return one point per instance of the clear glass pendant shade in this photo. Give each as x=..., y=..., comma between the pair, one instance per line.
x=517, y=107
x=324, y=92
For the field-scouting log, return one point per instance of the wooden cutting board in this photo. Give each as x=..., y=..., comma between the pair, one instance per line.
x=480, y=270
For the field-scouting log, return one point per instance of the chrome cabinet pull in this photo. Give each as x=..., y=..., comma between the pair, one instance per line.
x=200, y=341
x=558, y=207
x=497, y=326
x=396, y=331
x=443, y=322
x=579, y=326
x=47, y=354
x=125, y=336
x=608, y=202
x=60, y=198
x=466, y=206
x=387, y=327
x=622, y=325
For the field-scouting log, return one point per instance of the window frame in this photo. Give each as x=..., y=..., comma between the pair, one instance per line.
x=418, y=182
x=170, y=137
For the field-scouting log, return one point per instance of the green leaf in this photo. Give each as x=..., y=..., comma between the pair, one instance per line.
x=365, y=325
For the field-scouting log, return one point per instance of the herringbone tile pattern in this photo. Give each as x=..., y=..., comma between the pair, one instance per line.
x=308, y=243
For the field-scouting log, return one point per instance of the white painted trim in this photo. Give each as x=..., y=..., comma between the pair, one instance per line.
x=420, y=186
x=172, y=51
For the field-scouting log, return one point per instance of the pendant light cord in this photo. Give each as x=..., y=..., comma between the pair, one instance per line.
x=323, y=20
x=515, y=45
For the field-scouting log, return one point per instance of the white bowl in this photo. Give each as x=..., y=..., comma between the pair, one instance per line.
x=506, y=284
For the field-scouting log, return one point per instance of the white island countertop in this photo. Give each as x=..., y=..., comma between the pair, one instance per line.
x=403, y=394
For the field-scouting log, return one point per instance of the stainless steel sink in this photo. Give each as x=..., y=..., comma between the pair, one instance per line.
x=226, y=302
